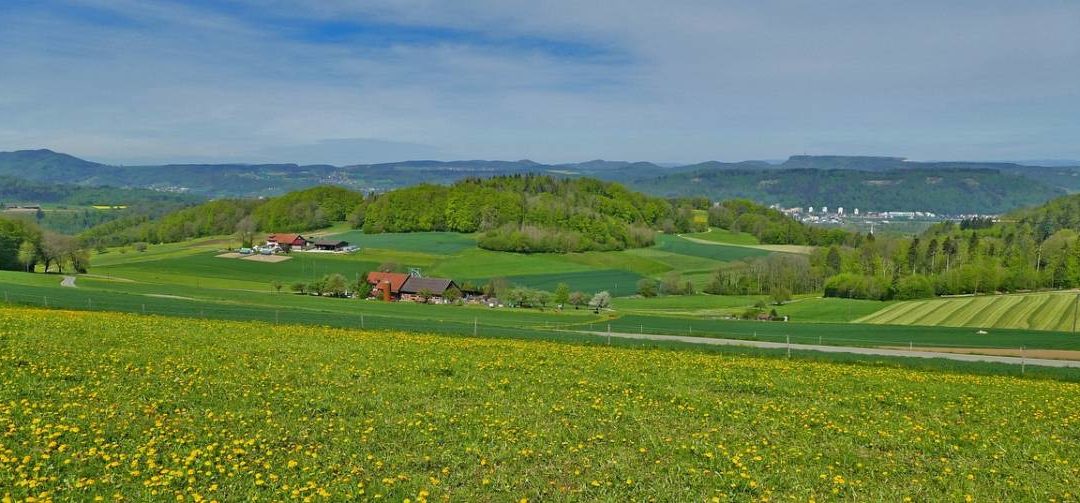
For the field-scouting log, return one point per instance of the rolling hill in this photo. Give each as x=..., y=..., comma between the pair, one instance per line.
x=885, y=183
x=946, y=191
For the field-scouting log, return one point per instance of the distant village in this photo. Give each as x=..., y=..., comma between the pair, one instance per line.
x=825, y=215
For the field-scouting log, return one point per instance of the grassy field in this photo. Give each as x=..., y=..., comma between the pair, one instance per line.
x=148, y=408
x=437, y=254
x=1038, y=311
x=725, y=236
x=437, y=243
x=700, y=315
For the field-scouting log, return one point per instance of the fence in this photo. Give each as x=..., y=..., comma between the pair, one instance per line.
x=575, y=331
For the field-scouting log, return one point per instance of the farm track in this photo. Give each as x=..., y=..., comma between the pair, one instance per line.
x=903, y=353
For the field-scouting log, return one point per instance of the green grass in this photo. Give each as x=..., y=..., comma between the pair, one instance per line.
x=687, y=305
x=206, y=269
x=843, y=334
x=615, y=282
x=152, y=408
x=829, y=310
x=1039, y=311
x=718, y=235
x=718, y=252
x=435, y=243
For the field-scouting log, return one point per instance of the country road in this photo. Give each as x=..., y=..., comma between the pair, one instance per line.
x=69, y=281
x=1011, y=360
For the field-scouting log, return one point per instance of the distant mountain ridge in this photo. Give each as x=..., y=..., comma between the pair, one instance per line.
x=1026, y=183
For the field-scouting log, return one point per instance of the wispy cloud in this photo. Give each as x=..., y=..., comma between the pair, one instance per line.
x=126, y=80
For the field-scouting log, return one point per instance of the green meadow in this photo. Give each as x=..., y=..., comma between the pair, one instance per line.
x=189, y=279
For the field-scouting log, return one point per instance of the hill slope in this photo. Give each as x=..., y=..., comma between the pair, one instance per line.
x=248, y=180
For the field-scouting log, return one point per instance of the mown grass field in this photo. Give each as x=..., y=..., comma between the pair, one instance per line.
x=149, y=408
x=1037, y=311
x=718, y=235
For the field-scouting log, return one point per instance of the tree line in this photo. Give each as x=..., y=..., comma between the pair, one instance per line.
x=1030, y=249
x=24, y=246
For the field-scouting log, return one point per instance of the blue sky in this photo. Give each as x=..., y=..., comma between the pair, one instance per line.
x=342, y=82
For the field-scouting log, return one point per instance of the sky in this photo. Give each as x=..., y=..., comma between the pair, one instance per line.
x=347, y=82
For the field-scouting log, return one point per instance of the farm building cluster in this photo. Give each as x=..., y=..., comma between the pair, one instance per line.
x=286, y=243
x=390, y=286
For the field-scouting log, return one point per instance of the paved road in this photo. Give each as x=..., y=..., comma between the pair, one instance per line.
x=69, y=281
x=1012, y=360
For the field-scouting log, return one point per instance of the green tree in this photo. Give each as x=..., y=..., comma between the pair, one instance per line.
x=780, y=295
x=646, y=287
x=562, y=294
x=299, y=287
x=336, y=285
x=28, y=255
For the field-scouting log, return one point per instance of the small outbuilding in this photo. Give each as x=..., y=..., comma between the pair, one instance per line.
x=330, y=245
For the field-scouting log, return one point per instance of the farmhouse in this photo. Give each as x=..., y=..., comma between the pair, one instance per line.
x=330, y=245
x=286, y=241
x=436, y=289
x=386, y=285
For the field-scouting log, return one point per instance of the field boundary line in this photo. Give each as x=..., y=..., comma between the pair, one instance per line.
x=1011, y=360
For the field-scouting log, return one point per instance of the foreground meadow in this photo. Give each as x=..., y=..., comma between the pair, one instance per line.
x=130, y=407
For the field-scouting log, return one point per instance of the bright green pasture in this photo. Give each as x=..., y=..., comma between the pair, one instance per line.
x=679, y=245
x=206, y=269
x=435, y=243
x=686, y=305
x=844, y=334
x=725, y=236
x=1037, y=311
x=831, y=310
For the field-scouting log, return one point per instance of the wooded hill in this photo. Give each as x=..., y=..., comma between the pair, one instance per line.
x=524, y=213
x=527, y=213
x=871, y=183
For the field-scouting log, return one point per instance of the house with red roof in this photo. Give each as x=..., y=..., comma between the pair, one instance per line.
x=286, y=241
x=386, y=285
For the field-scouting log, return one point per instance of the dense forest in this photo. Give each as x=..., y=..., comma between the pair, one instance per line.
x=952, y=191
x=528, y=213
x=1029, y=249
x=297, y=211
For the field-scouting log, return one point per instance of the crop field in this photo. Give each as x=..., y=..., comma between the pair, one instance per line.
x=148, y=408
x=1038, y=311
x=683, y=246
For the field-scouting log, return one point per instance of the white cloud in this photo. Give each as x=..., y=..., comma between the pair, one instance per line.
x=679, y=81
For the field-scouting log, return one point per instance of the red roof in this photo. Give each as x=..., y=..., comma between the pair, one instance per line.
x=396, y=279
x=286, y=238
